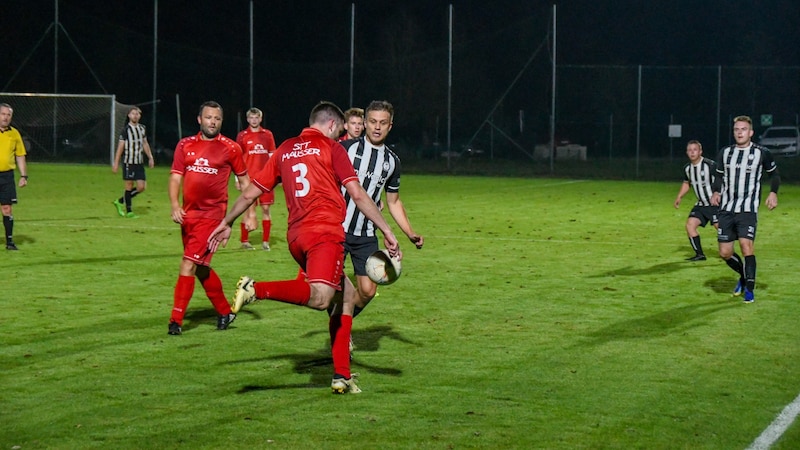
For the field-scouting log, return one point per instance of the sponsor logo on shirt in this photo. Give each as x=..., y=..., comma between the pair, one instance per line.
x=201, y=166
x=258, y=150
x=300, y=150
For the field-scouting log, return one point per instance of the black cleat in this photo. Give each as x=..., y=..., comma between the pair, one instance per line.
x=11, y=246
x=697, y=258
x=224, y=321
x=174, y=329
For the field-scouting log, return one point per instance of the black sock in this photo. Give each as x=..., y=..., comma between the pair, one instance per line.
x=735, y=263
x=128, y=200
x=8, y=224
x=695, y=241
x=134, y=193
x=750, y=272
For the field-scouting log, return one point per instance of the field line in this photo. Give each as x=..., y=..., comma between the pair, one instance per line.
x=778, y=426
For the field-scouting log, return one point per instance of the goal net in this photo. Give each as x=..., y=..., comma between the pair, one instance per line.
x=67, y=127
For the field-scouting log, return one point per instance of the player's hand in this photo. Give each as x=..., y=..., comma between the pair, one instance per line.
x=715, y=198
x=772, y=200
x=417, y=240
x=178, y=214
x=152, y=163
x=677, y=202
x=219, y=236
x=115, y=168
x=391, y=244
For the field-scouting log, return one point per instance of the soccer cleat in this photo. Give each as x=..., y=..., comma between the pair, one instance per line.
x=737, y=291
x=245, y=293
x=131, y=215
x=342, y=385
x=749, y=297
x=174, y=329
x=225, y=320
x=120, y=208
x=247, y=246
x=265, y=246
x=11, y=246
x=697, y=258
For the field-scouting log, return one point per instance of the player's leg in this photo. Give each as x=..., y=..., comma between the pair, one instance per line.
x=8, y=196
x=726, y=236
x=245, y=233
x=213, y=286
x=182, y=295
x=692, y=225
x=340, y=328
x=8, y=226
x=266, y=199
x=746, y=225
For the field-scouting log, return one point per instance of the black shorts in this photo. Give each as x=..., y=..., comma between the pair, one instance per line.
x=8, y=188
x=705, y=214
x=133, y=172
x=735, y=226
x=359, y=248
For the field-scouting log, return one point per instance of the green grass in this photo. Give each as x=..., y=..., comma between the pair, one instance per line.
x=542, y=313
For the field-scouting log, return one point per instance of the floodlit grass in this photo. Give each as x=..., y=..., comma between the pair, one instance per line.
x=542, y=313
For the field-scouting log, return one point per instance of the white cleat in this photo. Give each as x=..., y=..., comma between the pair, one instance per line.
x=265, y=246
x=345, y=385
x=245, y=293
x=247, y=246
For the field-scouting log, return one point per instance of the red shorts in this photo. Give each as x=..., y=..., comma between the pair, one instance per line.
x=266, y=198
x=195, y=233
x=321, y=257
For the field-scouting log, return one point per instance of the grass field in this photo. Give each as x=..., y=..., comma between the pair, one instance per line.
x=542, y=313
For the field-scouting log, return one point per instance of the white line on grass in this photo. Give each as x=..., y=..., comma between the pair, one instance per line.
x=775, y=430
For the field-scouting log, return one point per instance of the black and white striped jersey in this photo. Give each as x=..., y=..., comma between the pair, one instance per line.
x=741, y=170
x=134, y=137
x=701, y=176
x=378, y=169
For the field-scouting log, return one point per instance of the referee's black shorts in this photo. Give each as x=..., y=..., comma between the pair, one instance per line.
x=8, y=188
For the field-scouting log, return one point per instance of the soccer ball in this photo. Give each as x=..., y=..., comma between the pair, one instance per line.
x=382, y=268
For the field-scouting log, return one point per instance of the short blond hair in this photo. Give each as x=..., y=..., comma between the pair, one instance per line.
x=255, y=112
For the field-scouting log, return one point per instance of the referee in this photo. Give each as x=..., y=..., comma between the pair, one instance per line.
x=737, y=191
x=12, y=155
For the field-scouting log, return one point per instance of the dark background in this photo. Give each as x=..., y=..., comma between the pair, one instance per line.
x=302, y=55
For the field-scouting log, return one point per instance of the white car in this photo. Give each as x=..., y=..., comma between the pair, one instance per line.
x=783, y=141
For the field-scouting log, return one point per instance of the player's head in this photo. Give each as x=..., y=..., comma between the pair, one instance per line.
x=134, y=114
x=379, y=116
x=210, y=119
x=742, y=130
x=6, y=112
x=254, y=116
x=354, y=123
x=327, y=118
x=694, y=150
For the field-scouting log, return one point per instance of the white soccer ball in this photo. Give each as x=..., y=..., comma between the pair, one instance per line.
x=382, y=268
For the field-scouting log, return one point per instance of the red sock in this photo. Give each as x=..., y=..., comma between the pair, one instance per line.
x=266, y=225
x=297, y=292
x=213, y=286
x=340, y=343
x=245, y=233
x=184, y=289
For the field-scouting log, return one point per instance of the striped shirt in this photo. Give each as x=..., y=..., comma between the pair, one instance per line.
x=134, y=137
x=378, y=168
x=701, y=176
x=741, y=170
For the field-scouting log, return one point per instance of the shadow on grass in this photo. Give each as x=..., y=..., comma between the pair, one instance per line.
x=318, y=365
x=658, y=269
x=658, y=324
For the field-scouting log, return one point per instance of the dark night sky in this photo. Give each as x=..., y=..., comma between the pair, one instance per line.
x=316, y=34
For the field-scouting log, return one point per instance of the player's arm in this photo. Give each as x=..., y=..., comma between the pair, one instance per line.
x=118, y=156
x=684, y=189
x=23, y=170
x=716, y=184
x=174, y=189
x=775, y=184
x=250, y=215
x=222, y=233
x=149, y=153
x=398, y=212
x=370, y=210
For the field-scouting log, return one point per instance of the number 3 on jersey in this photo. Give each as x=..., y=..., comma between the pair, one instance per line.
x=300, y=180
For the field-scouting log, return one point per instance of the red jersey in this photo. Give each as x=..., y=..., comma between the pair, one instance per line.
x=206, y=167
x=313, y=168
x=257, y=146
